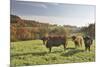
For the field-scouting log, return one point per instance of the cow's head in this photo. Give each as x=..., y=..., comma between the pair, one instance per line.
x=44, y=39
x=73, y=37
x=86, y=37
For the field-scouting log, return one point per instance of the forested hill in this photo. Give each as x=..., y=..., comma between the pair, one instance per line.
x=22, y=29
x=25, y=23
x=18, y=22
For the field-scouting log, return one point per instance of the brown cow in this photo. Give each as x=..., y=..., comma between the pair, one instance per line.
x=56, y=41
x=77, y=40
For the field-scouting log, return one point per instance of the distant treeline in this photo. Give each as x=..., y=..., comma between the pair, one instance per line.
x=89, y=30
x=29, y=29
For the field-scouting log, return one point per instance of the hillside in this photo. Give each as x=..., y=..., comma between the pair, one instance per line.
x=22, y=29
x=26, y=23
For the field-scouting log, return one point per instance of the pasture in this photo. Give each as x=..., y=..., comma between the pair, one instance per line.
x=33, y=52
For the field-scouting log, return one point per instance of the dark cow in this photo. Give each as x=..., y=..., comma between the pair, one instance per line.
x=77, y=40
x=56, y=41
x=88, y=42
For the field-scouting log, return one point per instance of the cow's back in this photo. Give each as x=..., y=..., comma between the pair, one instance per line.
x=55, y=41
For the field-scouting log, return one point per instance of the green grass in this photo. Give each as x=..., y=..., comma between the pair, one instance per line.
x=33, y=52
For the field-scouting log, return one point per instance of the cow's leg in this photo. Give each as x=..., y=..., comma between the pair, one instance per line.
x=43, y=42
x=86, y=48
x=64, y=47
x=50, y=49
x=66, y=44
x=81, y=42
x=89, y=48
x=76, y=45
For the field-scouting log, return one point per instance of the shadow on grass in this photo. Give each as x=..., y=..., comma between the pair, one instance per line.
x=35, y=53
x=62, y=50
x=70, y=48
x=72, y=52
x=30, y=53
x=55, y=52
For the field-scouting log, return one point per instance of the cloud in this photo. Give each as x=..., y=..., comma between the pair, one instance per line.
x=54, y=4
x=34, y=4
x=38, y=5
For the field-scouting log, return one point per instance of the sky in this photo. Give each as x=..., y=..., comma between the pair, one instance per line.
x=54, y=13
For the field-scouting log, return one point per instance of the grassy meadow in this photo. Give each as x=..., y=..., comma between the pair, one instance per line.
x=33, y=52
